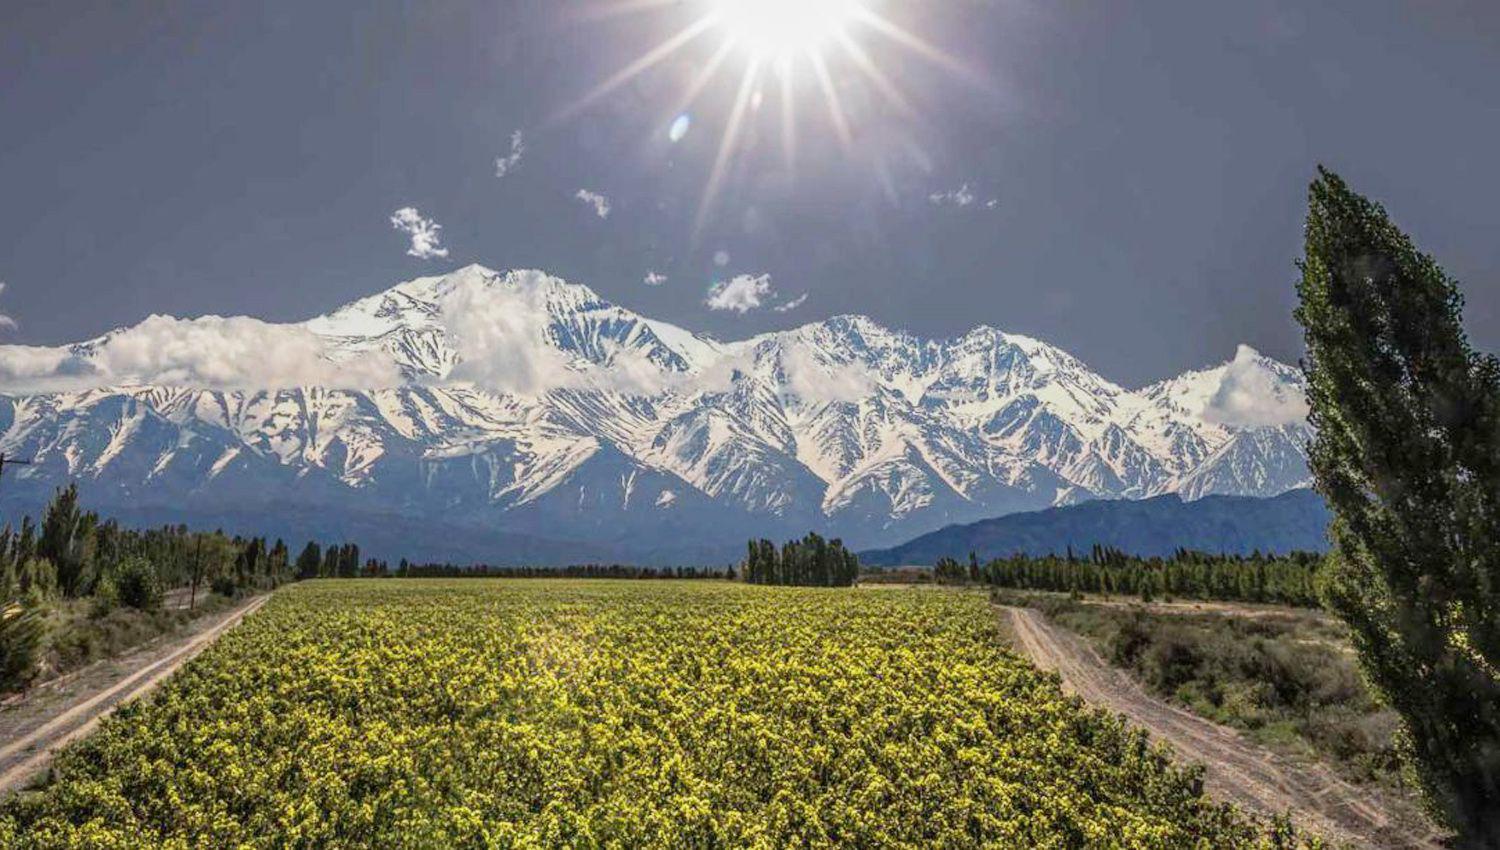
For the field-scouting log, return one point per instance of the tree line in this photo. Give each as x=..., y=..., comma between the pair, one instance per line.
x=73, y=554
x=809, y=562
x=75, y=567
x=1283, y=579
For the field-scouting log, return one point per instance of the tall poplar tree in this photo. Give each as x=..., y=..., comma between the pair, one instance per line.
x=1407, y=454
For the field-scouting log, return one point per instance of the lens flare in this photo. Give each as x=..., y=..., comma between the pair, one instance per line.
x=778, y=28
x=809, y=46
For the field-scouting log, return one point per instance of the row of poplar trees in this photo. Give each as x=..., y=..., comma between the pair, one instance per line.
x=74, y=553
x=338, y=560
x=809, y=562
x=1284, y=579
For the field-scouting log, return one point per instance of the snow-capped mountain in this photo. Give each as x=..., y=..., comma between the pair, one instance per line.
x=516, y=417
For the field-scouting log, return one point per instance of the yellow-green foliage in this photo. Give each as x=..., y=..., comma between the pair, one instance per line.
x=614, y=714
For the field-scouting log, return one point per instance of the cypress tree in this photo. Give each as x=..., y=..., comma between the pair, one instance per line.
x=309, y=560
x=61, y=530
x=1407, y=455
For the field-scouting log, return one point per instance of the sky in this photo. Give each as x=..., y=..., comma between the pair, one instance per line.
x=1126, y=181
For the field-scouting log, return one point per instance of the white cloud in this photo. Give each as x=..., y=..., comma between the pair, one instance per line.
x=961, y=197
x=599, y=202
x=813, y=379
x=721, y=373
x=426, y=242
x=740, y=294
x=5, y=321
x=31, y=368
x=211, y=352
x=506, y=164
x=655, y=279
x=721, y=258
x=1253, y=393
x=793, y=304
x=498, y=332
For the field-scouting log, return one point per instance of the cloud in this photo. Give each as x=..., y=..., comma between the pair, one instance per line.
x=211, y=352
x=740, y=294
x=30, y=368
x=599, y=202
x=721, y=373
x=506, y=164
x=961, y=197
x=6, y=322
x=793, y=304
x=812, y=379
x=426, y=243
x=498, y=328
x=655, y=279
x=1253, y=393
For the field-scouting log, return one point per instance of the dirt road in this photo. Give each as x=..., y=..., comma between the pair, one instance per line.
x=1236, y=770
x=34, y=728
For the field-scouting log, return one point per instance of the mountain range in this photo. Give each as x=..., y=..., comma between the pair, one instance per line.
x=515, y=417
x=1295, y=521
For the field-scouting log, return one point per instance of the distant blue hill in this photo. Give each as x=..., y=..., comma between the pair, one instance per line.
x=1297, y=520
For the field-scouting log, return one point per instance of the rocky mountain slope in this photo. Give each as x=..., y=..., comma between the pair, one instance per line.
x=514, y=416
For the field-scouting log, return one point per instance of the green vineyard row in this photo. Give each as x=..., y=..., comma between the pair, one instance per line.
x=517, y=713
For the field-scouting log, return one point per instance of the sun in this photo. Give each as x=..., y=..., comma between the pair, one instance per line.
x=780, y=45
x=782, y=29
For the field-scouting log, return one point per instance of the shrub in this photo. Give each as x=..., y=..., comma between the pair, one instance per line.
x=137, y=583
x=224, y=586
x=22, y=632
x=106, y=596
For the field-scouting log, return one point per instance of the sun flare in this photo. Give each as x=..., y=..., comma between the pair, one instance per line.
x=782, y=29
x=781, y=49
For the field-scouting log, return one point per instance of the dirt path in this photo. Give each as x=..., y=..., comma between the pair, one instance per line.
x=33, y=729
x=1236, y=770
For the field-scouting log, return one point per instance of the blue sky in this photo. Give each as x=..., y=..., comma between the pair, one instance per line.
x=1123, y=180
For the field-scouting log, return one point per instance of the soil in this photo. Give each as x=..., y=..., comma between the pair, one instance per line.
x=1235, y=770
x=42, y=722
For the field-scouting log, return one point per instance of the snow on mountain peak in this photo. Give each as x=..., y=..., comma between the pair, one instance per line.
x=1250, y=390
x=518, y=395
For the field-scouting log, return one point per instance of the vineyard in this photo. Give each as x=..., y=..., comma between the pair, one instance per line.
x=519, y=713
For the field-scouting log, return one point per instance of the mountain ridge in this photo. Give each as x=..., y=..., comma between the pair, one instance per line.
x=518, y=403
x=1296, y=520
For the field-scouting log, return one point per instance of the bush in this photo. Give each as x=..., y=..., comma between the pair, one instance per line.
x=1287, y=679
x=224, y=586
x=106, y=596
x=138, y=585
x=22, y=632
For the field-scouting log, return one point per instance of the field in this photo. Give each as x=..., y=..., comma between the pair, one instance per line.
x=550, y=713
